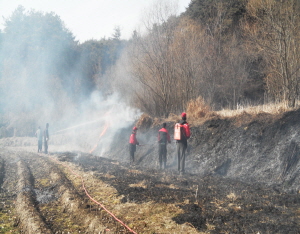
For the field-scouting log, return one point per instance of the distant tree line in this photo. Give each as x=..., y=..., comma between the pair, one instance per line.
x=228, y=53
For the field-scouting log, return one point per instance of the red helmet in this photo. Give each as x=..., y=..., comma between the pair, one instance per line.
x=135, y=128
x=183, y=115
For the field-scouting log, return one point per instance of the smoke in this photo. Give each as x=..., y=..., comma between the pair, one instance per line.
x=95, y=128
x=43, y=79
x=33, y=69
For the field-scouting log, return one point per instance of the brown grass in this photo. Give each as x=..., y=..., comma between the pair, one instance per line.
x=197, y=108
x=271, y=108
x=144, y=122
x=198, y=112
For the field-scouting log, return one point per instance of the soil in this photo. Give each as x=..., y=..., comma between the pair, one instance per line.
x=242, y=176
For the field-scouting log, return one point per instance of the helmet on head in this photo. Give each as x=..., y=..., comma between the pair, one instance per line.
x=183, y=115
x=135, y=128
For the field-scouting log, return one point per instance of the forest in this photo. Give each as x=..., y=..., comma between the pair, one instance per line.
x=225, y=54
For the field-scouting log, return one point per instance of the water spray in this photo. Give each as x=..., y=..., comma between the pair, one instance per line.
x=86, y=123
x=79, y=125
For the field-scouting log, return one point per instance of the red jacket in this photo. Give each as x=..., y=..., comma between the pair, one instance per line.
x=162, y=132
x=132, y=139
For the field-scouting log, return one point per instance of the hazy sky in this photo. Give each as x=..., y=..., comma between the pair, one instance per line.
x=89, y=19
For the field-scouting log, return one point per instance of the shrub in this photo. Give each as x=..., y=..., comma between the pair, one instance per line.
x=197, y=108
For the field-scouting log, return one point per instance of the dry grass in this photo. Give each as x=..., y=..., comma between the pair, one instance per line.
x=197, y=108
x=246, y=111
x=172, y=118
x=271, y=108
x=198, y=112
x=144, y=122
x=141, y=184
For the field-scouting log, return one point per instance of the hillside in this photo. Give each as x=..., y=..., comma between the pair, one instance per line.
x=262, y=148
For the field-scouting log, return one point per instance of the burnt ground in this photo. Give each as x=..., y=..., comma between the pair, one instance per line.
x=229, y=206
x=242, y=177
x=263, y=148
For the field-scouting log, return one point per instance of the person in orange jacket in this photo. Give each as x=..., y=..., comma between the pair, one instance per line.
x=163, y=139
x=132, y=144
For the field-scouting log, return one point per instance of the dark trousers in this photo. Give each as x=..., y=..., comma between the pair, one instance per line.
x=181, y=149
x=46, y=146
x=132, y=149
x=162, y=155
x=40, y=143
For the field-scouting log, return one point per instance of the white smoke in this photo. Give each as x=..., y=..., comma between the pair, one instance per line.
x=96, y=126
x=42, y=81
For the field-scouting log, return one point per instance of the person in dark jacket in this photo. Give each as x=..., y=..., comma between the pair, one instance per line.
x=163, y=139
x=46, y=138
x=182, y=143
x=132, y=144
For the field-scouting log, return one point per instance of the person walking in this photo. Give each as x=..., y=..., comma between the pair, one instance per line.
x=39, y=136
x=163, y=139
x=46, y=138
x=132, y=144
x=182, y=143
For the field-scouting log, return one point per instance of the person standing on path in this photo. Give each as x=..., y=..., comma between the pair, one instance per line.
x=132, y=144
x=163, y=139
x=46, y=138
x=182, y=143
x=39, y=136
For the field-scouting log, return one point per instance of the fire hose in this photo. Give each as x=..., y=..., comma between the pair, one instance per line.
x=91, y=198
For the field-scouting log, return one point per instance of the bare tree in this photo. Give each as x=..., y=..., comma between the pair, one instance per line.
x=272, y=28
x=178, y=60
x=151, y=60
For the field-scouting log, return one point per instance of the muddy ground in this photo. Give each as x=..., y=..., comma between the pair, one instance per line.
x=242, y=177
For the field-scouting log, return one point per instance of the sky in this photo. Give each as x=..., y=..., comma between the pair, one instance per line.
x=90, y=19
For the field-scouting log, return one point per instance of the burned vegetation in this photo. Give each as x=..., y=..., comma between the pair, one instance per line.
x=242, y=177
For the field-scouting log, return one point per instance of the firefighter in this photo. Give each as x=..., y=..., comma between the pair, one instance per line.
x=132, y=144
x=182, y=143
x=163, y=139
x=46, y=138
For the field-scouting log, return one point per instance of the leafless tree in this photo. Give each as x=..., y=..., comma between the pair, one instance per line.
x=272, y=28
x=151, y=60
x=177, y=60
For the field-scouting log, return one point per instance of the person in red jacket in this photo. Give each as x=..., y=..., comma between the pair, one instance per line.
x=163, y=139
x=132, y=144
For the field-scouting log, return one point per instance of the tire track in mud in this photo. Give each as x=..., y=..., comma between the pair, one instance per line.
x=31, y=221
